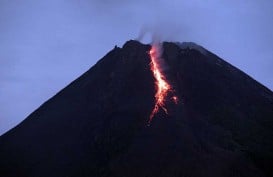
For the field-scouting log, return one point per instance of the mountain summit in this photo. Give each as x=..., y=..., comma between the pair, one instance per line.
x=221, y=125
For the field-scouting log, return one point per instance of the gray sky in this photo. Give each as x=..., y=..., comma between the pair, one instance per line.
x=44, y=45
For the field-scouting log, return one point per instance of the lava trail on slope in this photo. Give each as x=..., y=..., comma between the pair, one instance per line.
x=161, y=83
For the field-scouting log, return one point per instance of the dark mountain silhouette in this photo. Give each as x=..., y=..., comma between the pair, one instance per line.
x=97, y=125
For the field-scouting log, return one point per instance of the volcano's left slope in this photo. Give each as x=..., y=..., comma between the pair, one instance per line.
x=59, y=137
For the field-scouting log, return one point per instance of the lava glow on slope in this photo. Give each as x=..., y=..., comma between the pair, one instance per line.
x=161, y=83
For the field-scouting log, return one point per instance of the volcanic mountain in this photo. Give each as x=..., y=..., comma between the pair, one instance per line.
x=221, y=125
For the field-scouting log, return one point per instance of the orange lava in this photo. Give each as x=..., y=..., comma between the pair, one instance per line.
x=175, y=99
x=162, y=86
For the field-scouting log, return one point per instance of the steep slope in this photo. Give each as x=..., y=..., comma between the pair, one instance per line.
x=97, y=126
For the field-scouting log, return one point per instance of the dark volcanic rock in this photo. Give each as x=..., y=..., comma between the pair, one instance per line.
x=97, y=125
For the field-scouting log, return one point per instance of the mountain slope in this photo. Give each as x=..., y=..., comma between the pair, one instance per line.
x=97, y=126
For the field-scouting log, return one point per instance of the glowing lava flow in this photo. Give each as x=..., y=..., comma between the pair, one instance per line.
x=162, y=86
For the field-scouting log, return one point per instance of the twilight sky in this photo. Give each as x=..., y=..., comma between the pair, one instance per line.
x=44, y=45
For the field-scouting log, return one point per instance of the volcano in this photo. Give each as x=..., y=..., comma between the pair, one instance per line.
x=98, y=126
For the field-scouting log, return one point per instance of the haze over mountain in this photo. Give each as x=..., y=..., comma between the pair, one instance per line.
x=222, y=124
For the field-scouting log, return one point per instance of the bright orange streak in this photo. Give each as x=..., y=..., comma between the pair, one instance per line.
x=162, y=86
